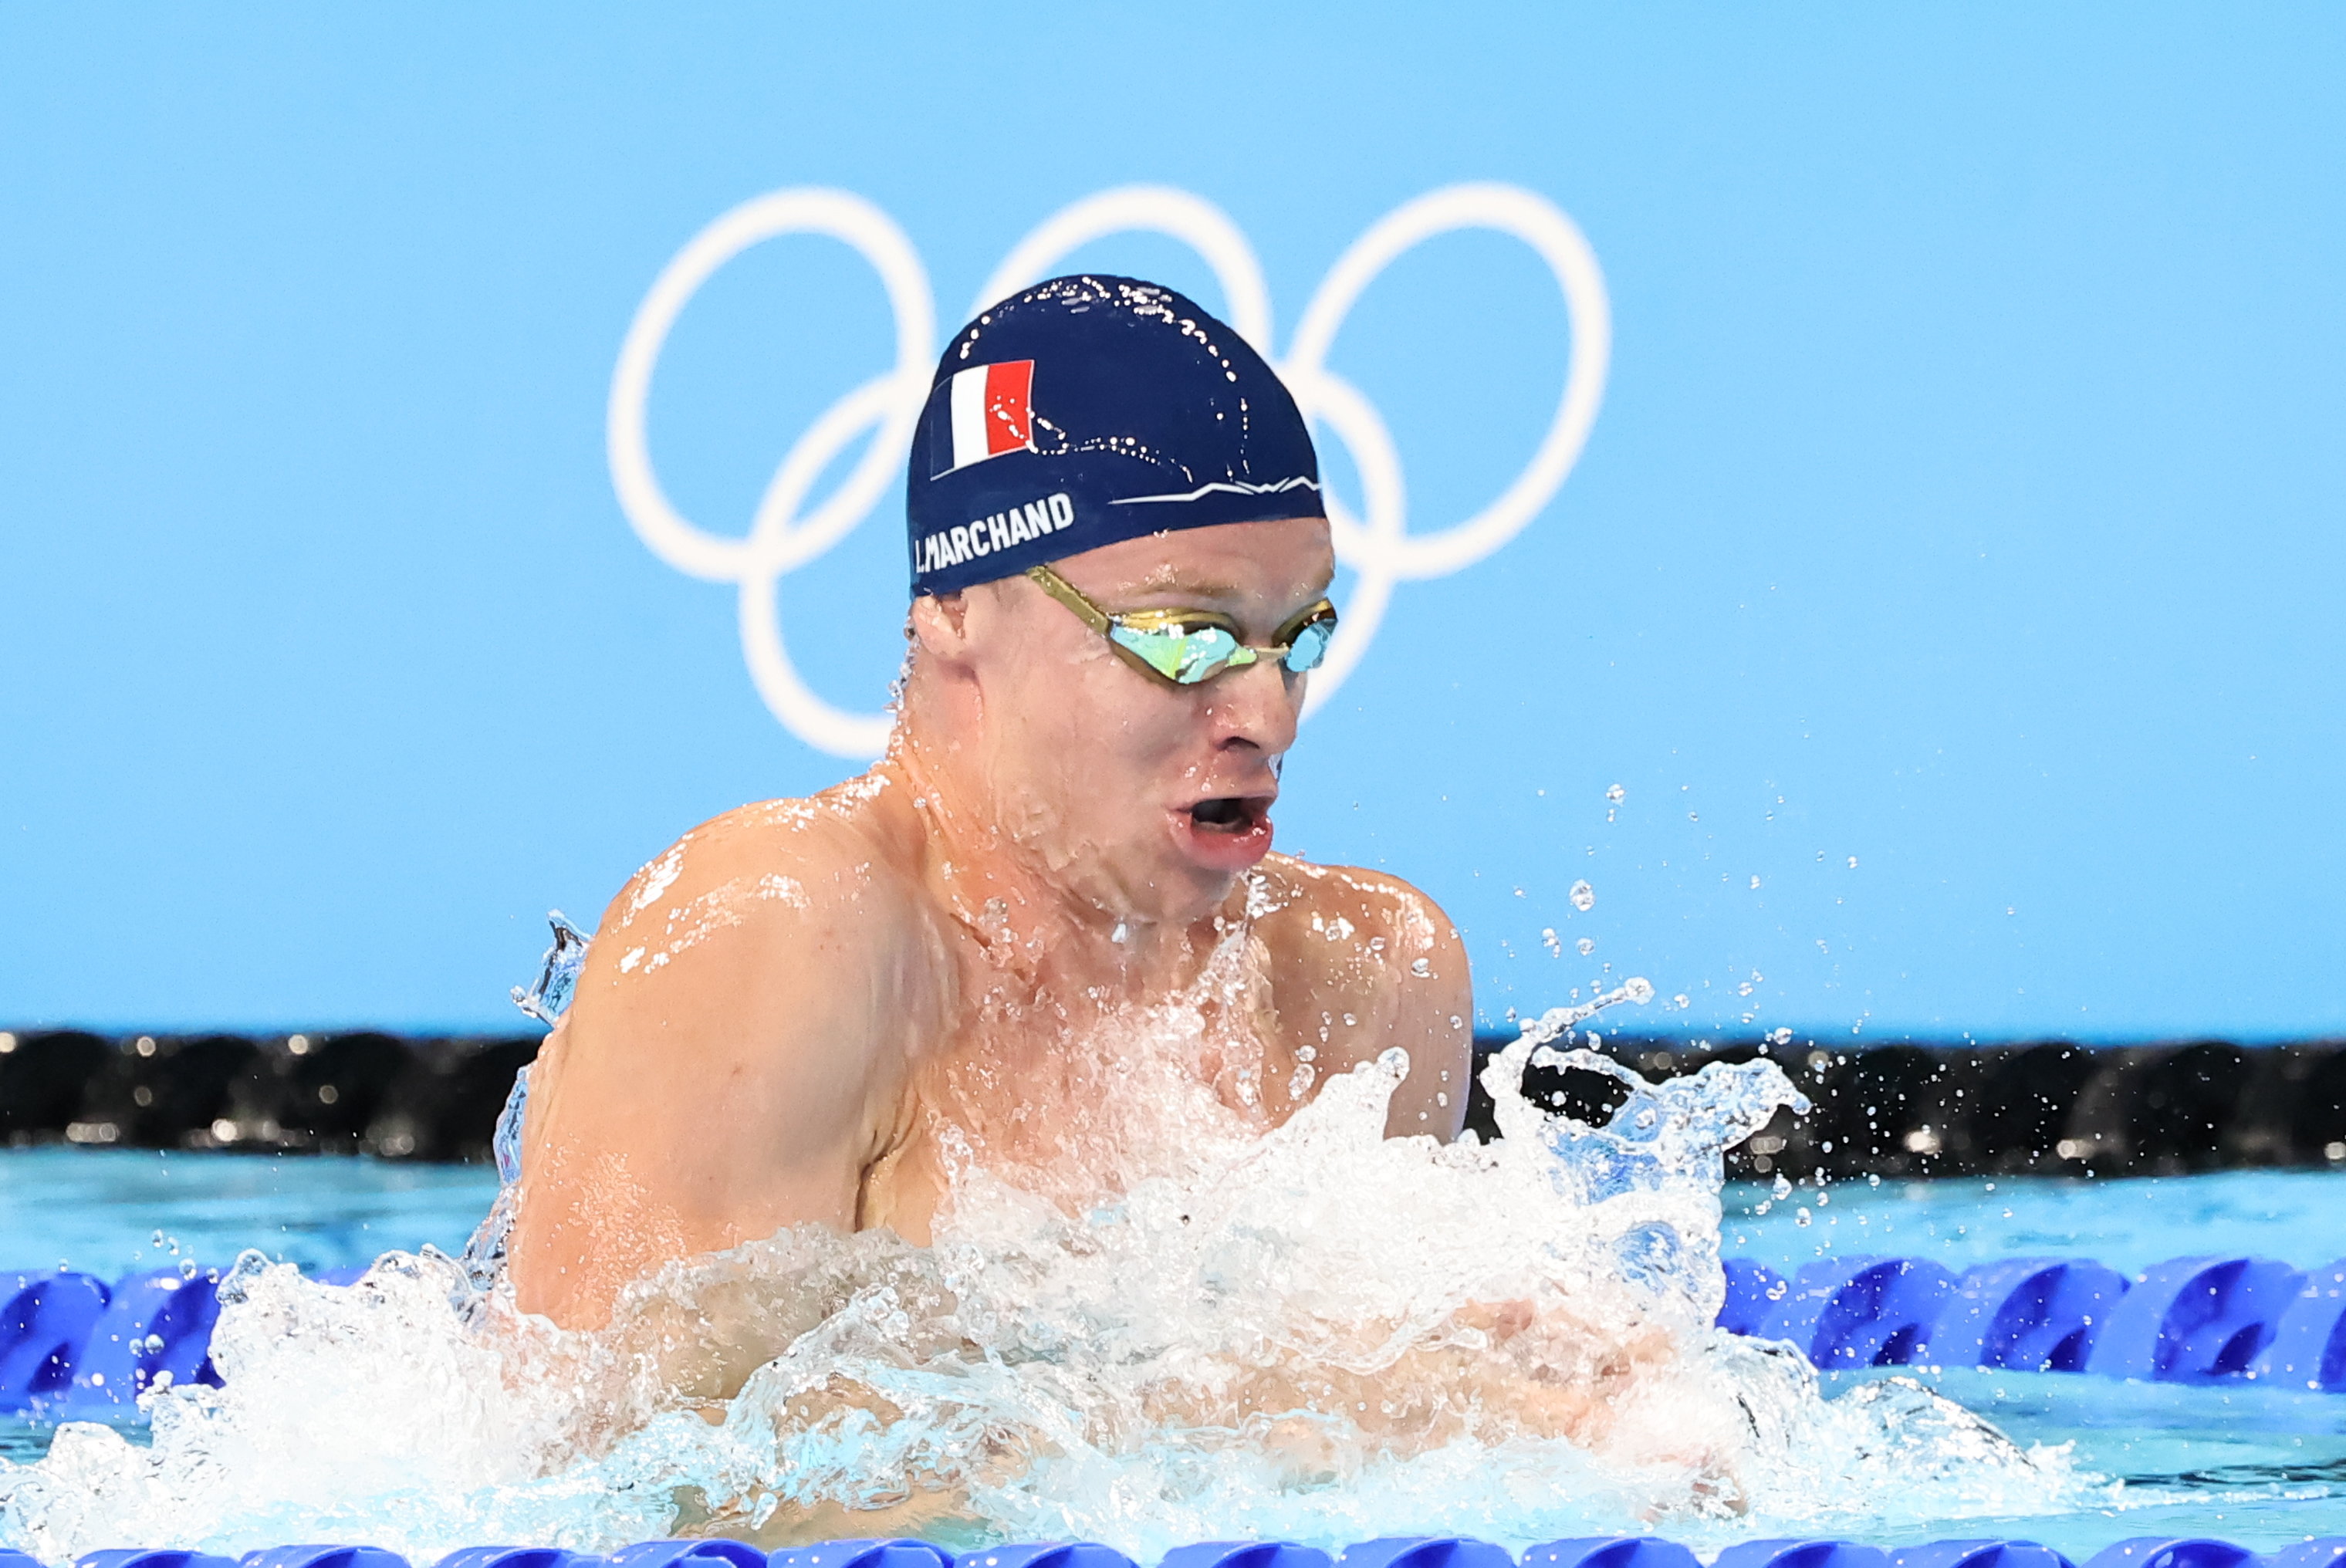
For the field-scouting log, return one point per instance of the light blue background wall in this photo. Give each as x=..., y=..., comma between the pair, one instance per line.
x=1966, y=499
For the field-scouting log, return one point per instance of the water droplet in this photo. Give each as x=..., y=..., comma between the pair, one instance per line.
x=1616, y=794
x=1755, y=884
x=1583, y=896
x=1802, y=1216
x=1853, y=862
x=1549, y=940
x=1783, y=1187
x=1587, y=944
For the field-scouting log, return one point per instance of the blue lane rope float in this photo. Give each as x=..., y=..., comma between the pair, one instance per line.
x=1245, y=1554
x=2026, y=1313
x=719, y=1553
x=1392, y=1552
x=45, y=1320
x=1803, y=1554
x=1423, y=1552
x=156, y=1328
x=1048, y=1555
x=1860, y=1312
x=1611, y=1552
x=73, y=1347
x=1978, y=1554
x=326, y=1557
x=867, y=1553
x=2191, y=1319
x=2194, y=1318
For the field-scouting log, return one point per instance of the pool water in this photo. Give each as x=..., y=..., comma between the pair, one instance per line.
x=102, y=1210
x=2258, y=1465
x=2296, y=1215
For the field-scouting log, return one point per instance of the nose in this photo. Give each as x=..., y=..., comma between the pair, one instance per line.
x=1255, y=706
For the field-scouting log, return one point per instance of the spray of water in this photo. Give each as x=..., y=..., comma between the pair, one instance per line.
x=1313, y=1332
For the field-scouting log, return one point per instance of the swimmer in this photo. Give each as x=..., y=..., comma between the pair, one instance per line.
x=815, y=1012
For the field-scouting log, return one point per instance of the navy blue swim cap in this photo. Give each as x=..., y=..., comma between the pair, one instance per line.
x=1088, y=409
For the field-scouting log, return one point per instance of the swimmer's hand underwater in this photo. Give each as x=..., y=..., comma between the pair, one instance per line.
x=813, y=1011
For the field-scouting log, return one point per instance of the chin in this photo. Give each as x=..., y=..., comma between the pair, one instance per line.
x=1210, y=851
x=1167, y=890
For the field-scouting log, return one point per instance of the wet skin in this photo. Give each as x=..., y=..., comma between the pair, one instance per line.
x=793, y=1014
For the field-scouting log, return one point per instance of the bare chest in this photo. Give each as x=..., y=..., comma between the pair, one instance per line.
x=1074, y=1103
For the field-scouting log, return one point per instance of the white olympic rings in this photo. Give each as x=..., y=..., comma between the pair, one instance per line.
x=1375, y=542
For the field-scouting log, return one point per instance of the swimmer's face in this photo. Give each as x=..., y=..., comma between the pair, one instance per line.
x=1148, y=798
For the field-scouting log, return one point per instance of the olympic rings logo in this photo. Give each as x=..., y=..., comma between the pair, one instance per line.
x=786, y=533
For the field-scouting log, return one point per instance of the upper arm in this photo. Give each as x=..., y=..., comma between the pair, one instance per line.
x=1433, y=1014
x=1369, y=963
x=724, y=1070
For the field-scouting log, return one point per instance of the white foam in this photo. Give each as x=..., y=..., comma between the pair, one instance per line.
x=1311, y=1332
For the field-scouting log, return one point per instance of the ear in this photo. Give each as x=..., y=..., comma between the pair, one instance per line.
x=941, y=626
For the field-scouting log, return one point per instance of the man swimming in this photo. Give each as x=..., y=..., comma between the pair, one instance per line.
x=818, y=1011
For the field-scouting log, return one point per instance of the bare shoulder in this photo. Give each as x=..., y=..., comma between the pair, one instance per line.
x=1334, y=904
x=733, y=1055
x=772, y=869
x=778, y=922
x=1363, y=961
x=763, y=975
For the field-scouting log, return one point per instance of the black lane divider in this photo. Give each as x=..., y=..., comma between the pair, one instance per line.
x=1920, y=1110
x=423, y=1099
x=2044, y=1108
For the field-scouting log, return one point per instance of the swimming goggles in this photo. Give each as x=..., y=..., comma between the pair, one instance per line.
x=1186, y=647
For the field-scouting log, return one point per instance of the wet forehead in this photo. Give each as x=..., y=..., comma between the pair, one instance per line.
x=1221, y=566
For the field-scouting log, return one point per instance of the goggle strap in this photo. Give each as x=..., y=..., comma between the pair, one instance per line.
x=1067, y=594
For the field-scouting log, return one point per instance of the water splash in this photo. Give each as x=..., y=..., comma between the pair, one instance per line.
x=1314, y=1332
x=548, y=996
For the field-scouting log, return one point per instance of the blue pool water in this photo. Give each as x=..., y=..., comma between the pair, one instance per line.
x=2258, y=1465
x=2298, y=1216
x=100, y=1210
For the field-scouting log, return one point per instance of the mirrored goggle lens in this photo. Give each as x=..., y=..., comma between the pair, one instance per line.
x=1311, y=644
x=1186, y=654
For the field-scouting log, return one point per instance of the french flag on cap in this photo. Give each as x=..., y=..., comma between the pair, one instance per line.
x=986, y=414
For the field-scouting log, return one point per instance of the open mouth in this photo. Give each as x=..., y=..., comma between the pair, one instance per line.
x=1232, y=814
x=1224, y=833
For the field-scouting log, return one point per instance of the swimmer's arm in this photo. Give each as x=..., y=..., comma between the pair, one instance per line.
x=1365, y=962
x=1431, y=1014
x=724, y=1071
